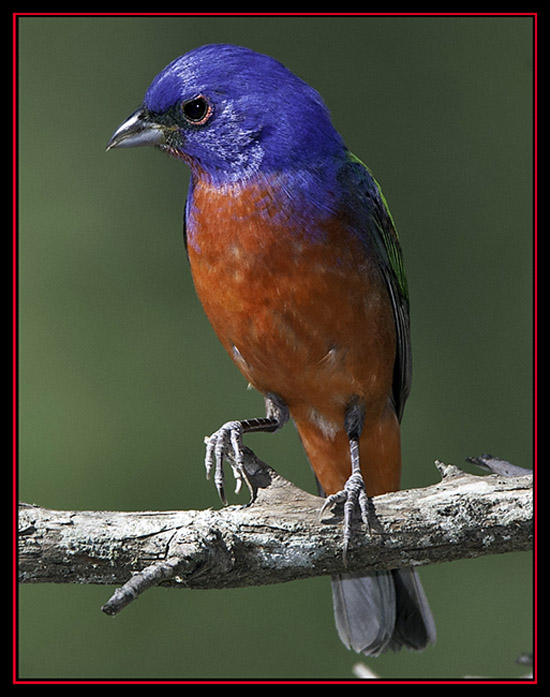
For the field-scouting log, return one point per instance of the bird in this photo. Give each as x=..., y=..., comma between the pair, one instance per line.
x=297, y=263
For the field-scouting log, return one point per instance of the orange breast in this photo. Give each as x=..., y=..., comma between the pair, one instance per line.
x=304, y=314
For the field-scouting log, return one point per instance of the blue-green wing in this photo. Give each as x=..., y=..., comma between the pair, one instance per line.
x=378, y=228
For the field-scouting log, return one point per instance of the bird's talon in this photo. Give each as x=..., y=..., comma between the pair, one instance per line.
x=224, y=444
x=332, y=500
x=354, y=498
x=238, y=479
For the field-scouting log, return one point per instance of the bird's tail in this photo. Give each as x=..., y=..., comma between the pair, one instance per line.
x=385, y=610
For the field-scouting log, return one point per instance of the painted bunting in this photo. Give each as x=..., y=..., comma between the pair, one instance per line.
x=297, y=263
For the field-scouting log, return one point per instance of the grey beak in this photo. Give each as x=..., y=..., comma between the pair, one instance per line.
x=136, y=131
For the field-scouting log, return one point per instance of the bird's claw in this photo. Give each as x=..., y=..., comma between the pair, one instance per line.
x=354, y=497
x=226, y=444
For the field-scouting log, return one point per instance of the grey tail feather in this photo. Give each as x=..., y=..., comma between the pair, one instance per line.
x=385, y=610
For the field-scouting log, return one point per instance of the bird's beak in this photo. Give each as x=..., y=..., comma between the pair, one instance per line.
x=136, y=131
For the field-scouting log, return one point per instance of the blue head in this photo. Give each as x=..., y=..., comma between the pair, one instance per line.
x=230, y=112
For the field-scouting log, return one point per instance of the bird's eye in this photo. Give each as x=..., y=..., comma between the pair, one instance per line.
x=197, y=110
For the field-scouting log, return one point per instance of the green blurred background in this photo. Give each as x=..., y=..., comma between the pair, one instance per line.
x=121, y=376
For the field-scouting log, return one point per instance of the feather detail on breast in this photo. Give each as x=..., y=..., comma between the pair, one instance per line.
x=297, y=304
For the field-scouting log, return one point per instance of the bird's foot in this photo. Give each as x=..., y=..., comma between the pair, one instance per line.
x=226, y=444
x=355, y=500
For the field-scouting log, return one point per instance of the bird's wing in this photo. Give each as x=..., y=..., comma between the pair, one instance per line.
x=380, y=228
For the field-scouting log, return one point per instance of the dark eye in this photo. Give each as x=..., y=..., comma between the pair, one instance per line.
x=197, y=110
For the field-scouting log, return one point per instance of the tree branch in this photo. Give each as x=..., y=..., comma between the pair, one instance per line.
x=279, y=537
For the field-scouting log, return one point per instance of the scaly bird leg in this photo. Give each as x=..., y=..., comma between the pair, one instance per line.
x=353, y=495
x=227, y=444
